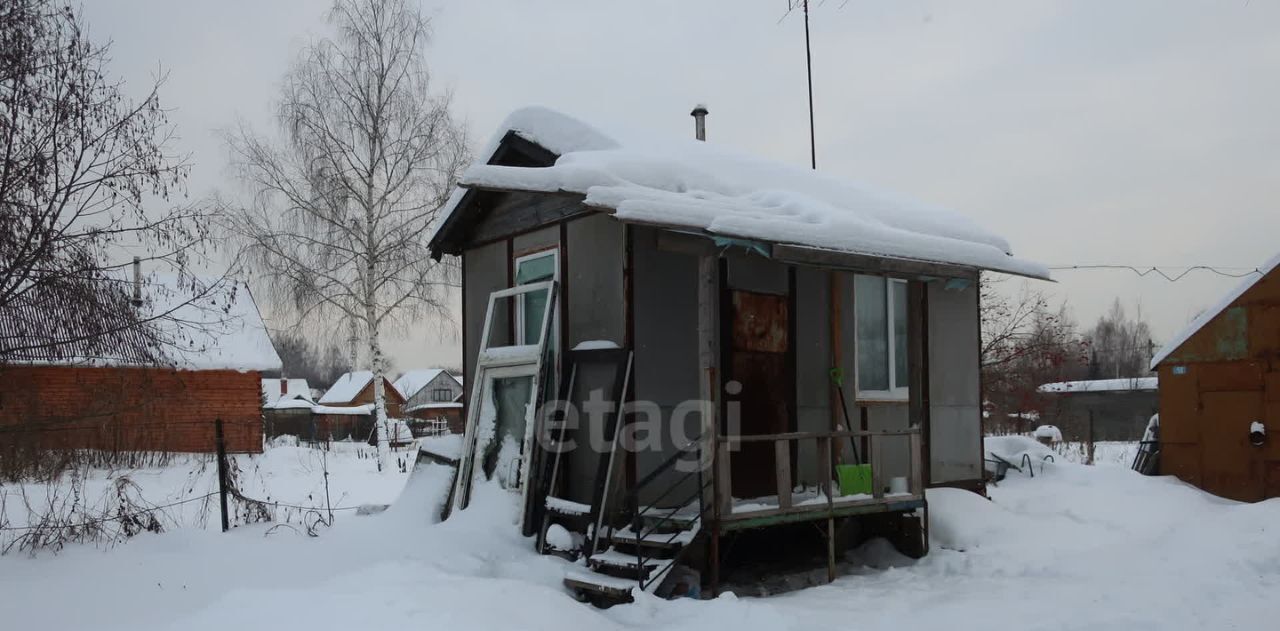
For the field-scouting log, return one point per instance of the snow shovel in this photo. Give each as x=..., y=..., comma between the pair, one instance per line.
x=854, y=478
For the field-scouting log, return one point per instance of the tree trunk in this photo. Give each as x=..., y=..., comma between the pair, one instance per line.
x=380, y=421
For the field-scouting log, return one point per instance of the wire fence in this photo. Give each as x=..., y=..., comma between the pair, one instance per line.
x=79, y=493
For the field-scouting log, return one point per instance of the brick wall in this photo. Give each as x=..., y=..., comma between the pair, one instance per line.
x=129, y=409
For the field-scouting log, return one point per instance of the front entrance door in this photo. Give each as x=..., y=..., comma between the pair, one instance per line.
x=759, y=347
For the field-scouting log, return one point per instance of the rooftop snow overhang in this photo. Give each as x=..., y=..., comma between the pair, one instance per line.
x=805, y=217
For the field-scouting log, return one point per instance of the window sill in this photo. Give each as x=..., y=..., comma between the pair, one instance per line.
x=875, y=398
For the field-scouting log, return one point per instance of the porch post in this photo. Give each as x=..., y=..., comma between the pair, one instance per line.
x=709, y=391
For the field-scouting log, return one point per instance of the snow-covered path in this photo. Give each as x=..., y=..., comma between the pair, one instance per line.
x=1075, y=548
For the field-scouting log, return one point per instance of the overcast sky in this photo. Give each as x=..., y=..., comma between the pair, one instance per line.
x=1130, y=132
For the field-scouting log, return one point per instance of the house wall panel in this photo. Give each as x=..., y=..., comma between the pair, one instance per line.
x=485, y=271
x=955, y=421
x=596, y=256
x=666, y=341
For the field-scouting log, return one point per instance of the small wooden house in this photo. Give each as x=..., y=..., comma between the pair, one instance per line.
x=1220, y=393
x=785, y=347
x=432, y=400
x=83, y=385
x=345, y=411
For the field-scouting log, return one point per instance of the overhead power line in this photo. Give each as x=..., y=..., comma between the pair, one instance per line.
x=1140, y=270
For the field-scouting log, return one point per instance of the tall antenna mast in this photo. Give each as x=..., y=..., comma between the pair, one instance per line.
x=808, y=64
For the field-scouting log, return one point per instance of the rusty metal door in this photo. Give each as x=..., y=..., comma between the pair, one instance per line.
x=759, y=347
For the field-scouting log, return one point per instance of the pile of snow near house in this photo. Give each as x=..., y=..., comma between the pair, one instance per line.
x=1074, y=548
x=641, y=178
x=1050, y=433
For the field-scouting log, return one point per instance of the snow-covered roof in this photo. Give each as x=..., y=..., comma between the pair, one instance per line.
x=189, y=323
x=434, y=405
x=220, y=328
x=1102, y=385
x=414, y=380
x=347, y=387
x=1212, y=312
x=354, y=410
x=692, y=185
x=271, y=390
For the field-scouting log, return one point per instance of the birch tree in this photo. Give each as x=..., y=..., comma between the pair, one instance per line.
x=343, y=197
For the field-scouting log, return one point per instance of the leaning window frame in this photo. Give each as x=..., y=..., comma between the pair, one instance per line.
x=552, y=251
x=895, y=393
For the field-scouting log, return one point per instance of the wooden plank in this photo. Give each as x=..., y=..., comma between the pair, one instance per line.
x=773, y=517
x=916, y=459
x=782, y=469
x=877, y=467
x=520, y=212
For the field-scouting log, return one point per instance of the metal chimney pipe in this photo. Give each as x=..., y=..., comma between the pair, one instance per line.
x=137, y=282
x=699, y=115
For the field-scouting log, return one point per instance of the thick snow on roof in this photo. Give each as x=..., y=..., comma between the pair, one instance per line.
x=701, y=186
x=1102, y=385
x=347, y=387
x=1212, y=312
x=297, y=394
x=414, y=380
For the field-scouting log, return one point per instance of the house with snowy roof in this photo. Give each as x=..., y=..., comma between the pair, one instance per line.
x=345, y=411
x=792, y=347
x=151, y=373
x=432, y=395
x=1220, y=393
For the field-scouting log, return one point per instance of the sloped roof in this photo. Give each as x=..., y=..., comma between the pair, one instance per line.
x=691, y=185
x=349, y=385
x=1212, y=312
x=414, y=380
x=188, y=323
x=297, y=394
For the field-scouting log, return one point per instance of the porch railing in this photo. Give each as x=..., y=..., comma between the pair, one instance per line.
x=826, y=460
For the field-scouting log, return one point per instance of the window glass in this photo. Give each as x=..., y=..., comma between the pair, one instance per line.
x=900, y=378
x=871, y=315
x=533, y=270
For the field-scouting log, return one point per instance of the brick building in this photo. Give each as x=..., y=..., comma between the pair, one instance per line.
x=179, y=357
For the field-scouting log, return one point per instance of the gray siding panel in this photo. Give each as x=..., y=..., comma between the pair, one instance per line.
x=596, y=257
x=666, y=339
x=955, y=416
x=813, y=364
x=539, y=239
x=485, y=272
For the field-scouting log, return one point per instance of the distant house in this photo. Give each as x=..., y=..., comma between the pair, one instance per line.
x=432, y=394
x=1102, y=409
x=286, y=407
x=345, y=411
x=1220, y=393
x=108, y=386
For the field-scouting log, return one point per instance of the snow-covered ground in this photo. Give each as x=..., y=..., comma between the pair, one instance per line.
x=284, y=473
x=1076, y=547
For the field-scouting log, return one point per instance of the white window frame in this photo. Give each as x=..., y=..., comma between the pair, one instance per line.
x=554, y=253
x=895, y=393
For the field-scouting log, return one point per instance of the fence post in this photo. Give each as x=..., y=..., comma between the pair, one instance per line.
x=221, y=444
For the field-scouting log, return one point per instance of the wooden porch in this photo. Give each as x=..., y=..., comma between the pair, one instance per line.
x=827, y=501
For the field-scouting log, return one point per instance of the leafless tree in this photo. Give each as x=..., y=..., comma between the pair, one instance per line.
x=1025, y=343
x=343, y=198
x=79, y=165
x=82, y=169
x=1120, y=346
